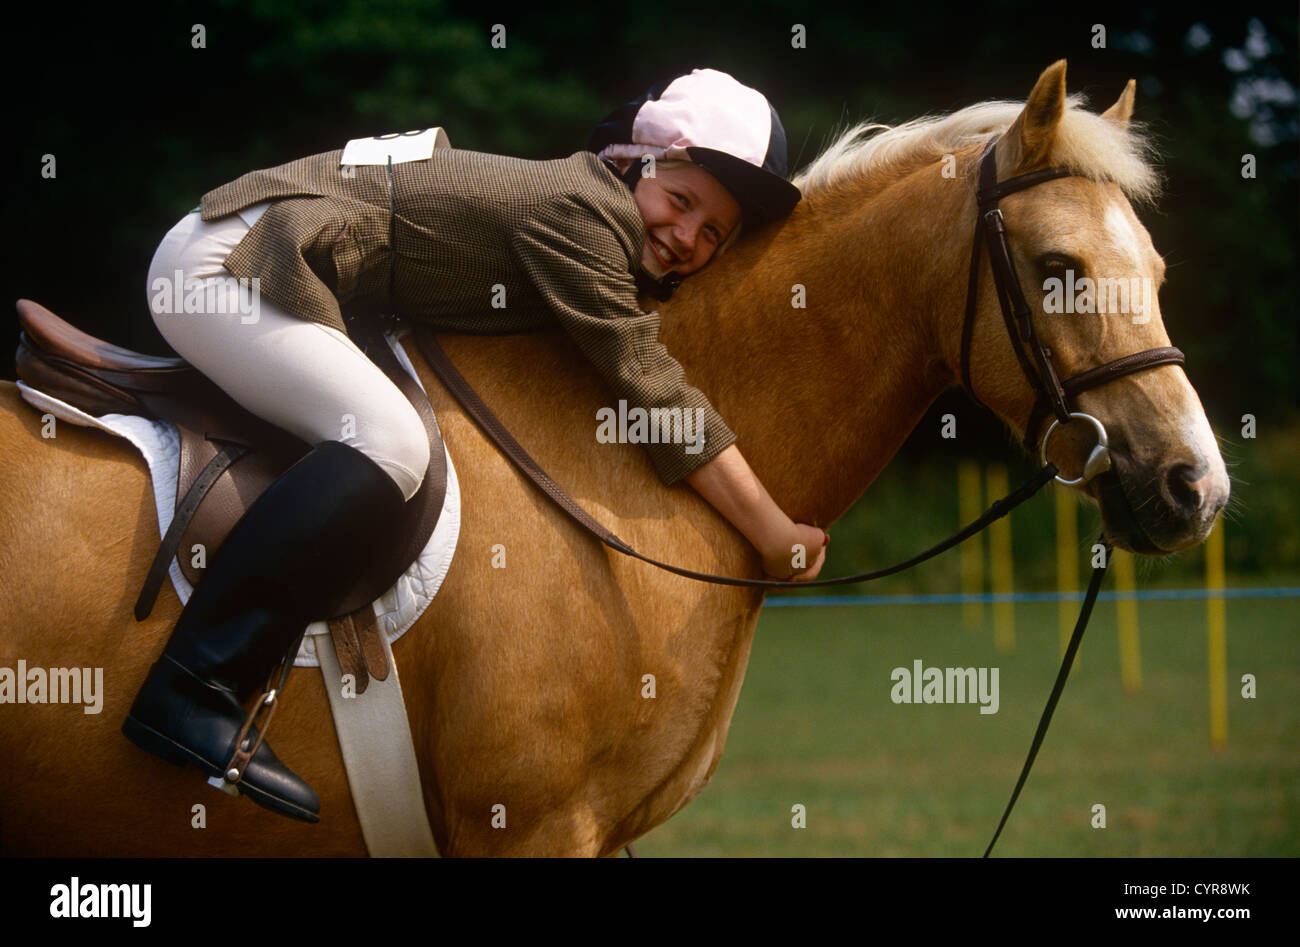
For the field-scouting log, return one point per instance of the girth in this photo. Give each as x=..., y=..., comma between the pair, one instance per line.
x=1051, y=395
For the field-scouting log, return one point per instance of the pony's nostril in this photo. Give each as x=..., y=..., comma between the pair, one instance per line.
x=1181, y=483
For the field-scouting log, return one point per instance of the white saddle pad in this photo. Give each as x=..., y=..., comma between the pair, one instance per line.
x=160, y=444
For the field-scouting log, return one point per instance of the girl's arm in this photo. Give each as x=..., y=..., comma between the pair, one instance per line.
x=735, y=491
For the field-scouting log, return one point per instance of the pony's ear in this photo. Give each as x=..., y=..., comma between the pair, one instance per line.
x=1029, y=139
x=1122, y=110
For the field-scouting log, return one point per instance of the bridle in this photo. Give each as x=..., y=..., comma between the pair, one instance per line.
x=1051, y=395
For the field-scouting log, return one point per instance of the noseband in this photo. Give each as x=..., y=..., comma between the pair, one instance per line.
x=1051, y=395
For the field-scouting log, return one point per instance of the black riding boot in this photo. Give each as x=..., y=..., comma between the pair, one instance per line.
x=284, y=565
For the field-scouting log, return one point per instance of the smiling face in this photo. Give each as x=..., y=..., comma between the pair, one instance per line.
x=687, y=216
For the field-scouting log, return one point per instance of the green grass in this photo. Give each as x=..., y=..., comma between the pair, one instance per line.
x=815, y=726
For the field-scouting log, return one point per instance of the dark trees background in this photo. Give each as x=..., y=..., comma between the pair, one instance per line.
x=142, y=123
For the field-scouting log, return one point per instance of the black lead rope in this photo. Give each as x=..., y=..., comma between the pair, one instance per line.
x=1094, y=586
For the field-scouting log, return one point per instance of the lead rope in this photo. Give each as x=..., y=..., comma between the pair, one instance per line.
x=1094, y=586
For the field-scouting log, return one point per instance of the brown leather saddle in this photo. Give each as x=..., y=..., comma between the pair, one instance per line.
x=228, y=457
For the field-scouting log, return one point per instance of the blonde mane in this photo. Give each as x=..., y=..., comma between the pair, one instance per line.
x=1088, y=144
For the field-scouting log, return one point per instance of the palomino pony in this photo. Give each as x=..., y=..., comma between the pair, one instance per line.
x=524, y=683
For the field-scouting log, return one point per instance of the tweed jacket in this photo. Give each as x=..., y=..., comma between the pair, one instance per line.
x=481, y=244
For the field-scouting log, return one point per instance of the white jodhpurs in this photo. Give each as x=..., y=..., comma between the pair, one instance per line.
x=304, y=377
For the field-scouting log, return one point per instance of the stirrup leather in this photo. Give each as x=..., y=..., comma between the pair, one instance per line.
x=237, y=766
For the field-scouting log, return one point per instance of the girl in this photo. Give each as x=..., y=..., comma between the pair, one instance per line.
x=574, y=241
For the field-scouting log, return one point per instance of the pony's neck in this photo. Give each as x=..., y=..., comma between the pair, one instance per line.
x=822, y=397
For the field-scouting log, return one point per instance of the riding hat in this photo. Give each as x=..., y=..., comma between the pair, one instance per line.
x=708, y=118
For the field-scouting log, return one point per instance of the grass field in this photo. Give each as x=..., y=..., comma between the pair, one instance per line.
x=815, y=726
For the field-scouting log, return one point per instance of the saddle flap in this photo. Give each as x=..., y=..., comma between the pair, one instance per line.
x=230, y=495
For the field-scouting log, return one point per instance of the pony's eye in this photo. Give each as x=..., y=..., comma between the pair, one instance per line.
x=1056, y=264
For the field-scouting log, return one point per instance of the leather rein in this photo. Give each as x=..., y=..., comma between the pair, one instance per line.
x=1052, y=396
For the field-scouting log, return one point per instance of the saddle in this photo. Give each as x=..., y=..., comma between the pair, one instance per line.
x=228, y=457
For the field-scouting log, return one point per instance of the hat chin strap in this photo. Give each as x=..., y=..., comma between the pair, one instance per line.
x=632, y=175
x=662, y=288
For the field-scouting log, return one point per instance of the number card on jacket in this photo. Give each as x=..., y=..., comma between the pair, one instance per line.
x=414, y=145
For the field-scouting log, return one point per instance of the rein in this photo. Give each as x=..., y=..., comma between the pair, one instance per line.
x=1052, y=396
x=470, y=401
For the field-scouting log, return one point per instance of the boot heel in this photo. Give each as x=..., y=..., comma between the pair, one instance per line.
x=154, y=742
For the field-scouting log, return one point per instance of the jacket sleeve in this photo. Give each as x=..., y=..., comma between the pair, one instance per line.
x=572, y=254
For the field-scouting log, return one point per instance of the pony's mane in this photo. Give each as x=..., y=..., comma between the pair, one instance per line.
x=1087, y=144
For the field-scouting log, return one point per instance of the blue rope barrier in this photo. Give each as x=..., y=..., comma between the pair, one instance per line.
x=1024, y=597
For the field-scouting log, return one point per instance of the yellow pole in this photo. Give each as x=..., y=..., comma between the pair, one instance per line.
x=1067, y=568
x=1130, y=654
x=1004, y=613
x=972, y=550
x=1216, y=620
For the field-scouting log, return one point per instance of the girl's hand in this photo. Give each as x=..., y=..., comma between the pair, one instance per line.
x=779, y=561
x=736, y=492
